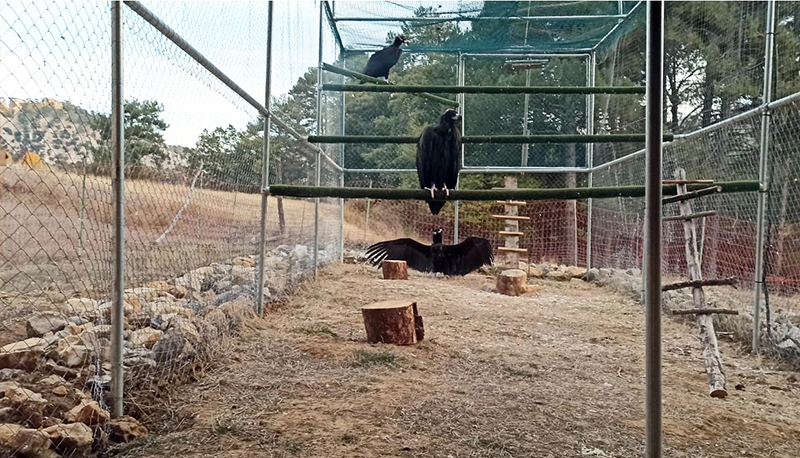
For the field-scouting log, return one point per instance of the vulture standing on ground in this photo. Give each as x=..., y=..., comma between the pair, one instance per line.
x=438, y=152
x=459, y=259
x=379, y=63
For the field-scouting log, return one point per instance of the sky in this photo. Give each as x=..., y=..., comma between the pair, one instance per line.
x=62, y=50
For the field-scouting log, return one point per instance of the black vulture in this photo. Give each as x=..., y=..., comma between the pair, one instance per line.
x=459, y=259
x=379, y=63
x=438, y=152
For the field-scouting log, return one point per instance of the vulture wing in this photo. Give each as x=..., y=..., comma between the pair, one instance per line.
x=469, y=255
x=379, y=63
x=427, y=169
x=454, y=162
x=417, y=255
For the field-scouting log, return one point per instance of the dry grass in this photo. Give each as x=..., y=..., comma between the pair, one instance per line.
x=559, y=373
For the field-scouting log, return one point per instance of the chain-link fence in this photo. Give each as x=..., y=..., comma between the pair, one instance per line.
x=194, y=148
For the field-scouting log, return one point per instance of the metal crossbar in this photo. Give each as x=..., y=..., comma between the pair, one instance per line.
x=485, y=89
x=514, y=139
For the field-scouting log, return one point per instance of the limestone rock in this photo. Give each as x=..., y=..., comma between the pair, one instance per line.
x=60, y=390
x=80, y=306
x=41, y=324
x=238, y=311
x=196, y=279
x=145, y=337
x=557, y=275
x=169, y=348
x=71, y=439
x=87, y=412
x=70, y=353
x=243, y=275
x=125, y=429
x=244, y=262
x=575, y=272
x=53, y=380
x=161, y=308
x=26, y=442
x=9, y=374
x=65, y=372
x=179, y=291
x=23, y=355
x=28, y=403
x=592, y=275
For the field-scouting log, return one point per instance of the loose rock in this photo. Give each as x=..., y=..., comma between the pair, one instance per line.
x=126, y=429
x=22, y=355
x=71, y=439
x=145, y=337
x=28, y=403
x=26, y=442
x=89, y=413
x=41, y=324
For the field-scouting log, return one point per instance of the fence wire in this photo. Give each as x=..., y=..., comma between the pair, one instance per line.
x=193, y=157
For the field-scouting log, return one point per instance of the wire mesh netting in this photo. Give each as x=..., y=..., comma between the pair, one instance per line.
x=193, y=175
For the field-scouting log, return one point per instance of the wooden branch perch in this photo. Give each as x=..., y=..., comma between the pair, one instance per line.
x=705, y=312
x=688, y=182
x=692, y=195
x=732, y=281
x=688, y=217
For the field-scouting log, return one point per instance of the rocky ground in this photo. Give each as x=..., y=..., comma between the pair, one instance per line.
x=55, y=380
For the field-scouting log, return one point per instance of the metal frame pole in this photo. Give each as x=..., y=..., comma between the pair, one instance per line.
x=653, y=249
x=262, y=243
x=319, y=132
x=341, y=176
x=763, y=177
x=460, y=97
x=118, y=185
x=590, y=81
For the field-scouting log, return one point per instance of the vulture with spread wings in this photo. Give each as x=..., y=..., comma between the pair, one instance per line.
x=459, y=259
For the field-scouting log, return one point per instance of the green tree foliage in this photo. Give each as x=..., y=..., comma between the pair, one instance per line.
x=144, y=133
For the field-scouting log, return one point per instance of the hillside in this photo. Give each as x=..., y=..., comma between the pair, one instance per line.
x=59, y=132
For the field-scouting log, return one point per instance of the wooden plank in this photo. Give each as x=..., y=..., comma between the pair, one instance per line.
x=510, y=217
x=511, y=250
x=705, y=312
x=691, y=195
x=692, y=216
x=512, y=233
x=699, y=283
x=688, y=182
x=518, y=203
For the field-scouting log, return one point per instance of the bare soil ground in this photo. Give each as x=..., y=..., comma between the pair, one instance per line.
x=557, y=373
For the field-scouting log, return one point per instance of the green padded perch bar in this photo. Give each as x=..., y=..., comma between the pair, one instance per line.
x=369, y=79
x=486, y=89
x=516, y=139
x=494, y=194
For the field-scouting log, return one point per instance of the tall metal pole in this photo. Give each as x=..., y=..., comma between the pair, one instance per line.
x=590, y=81
x=262, y=243
x=763, y=178
x=319, y=132
x=118, y=186
x=460, y=97
x=341, y=176
x=653, y=253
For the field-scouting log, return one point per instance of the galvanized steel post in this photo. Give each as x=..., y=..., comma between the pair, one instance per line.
x=460, y=97
x=118, y=185
x=262, y=242
x=763, y=177
x=653, y=250
x=590, y=81
x=319, y=132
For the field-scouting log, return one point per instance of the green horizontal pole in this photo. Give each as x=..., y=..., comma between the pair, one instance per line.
x=517, y=139
x=486, y=89
x=370, y=79
x=494, y=194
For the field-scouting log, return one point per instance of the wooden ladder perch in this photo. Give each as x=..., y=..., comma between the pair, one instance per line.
x=512, y=219
x=705, y=321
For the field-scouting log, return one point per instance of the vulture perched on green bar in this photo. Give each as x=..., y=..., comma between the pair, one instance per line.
x=438, y=157
x=379, y=63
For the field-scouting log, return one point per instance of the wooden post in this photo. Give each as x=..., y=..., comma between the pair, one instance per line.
x=392, y=322
x=708, y=337
x=512, y=282
x=512, y=257
x=394, y=270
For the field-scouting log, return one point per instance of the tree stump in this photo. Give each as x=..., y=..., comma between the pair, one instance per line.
x=395, y=270
x=512, y=282
x=394, y=322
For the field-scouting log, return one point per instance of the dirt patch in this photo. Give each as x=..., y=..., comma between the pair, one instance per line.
x=556, y=373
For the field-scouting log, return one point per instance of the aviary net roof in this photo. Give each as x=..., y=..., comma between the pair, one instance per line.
x=471, y=26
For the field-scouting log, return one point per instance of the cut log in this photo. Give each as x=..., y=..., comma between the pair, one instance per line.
x=705, y=312
x=419, y=327
x=711, y=357
x=394, y=270
x=512, y=282
x=731, y=281
x=391, y=322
